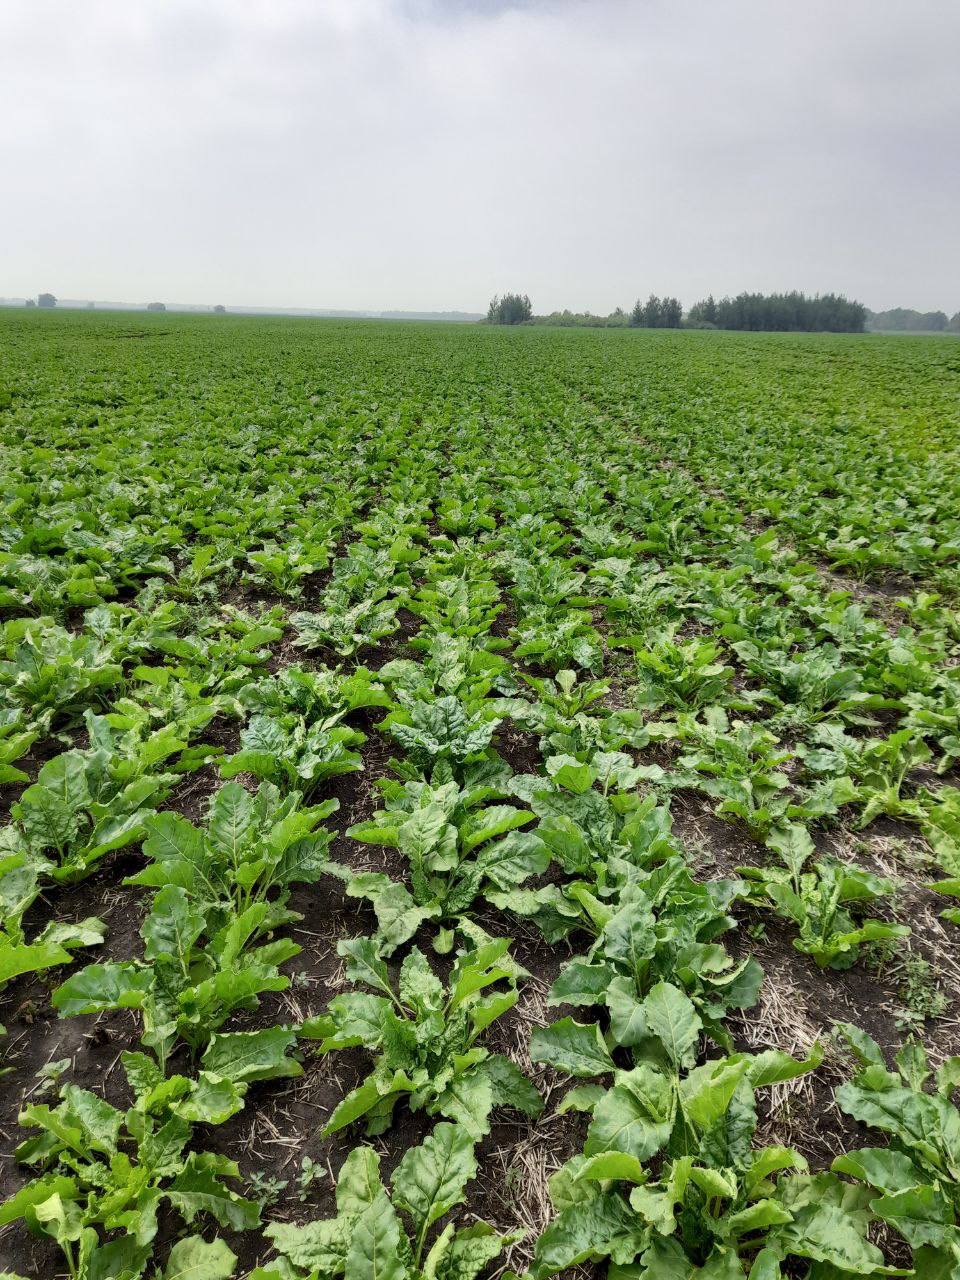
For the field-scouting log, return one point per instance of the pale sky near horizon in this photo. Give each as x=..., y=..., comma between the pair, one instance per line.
x=424, y=154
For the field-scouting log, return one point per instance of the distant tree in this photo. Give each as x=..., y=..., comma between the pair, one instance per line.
x=29, y=303
x=906, y=320
x=954, y=325
x=657, y=313
x=219, y=309
x=703, y=314
x=46, y=300
x=651, y=312
x=828, y=312
x=512, y=308
x=671, y=313
x=156, y=306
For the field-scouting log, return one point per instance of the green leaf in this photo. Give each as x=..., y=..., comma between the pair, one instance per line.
x=927, y=1125
x=583, y=1097
x=510, y=1087
x=35, y=1193
x=231, y=821
x=364, y=963
x=792, y=842
x=19, y=958
x=766, y=1266
x=195, y=1259
x=759, y=1216
x=354, y=1018
x=356, y=1104
x=935, y=1264
x=865, y=1050
x=591, y=1230
x=483, y=1012
x=774, y=1067
x=171, y=839
x=374, y=1250
x=616, y=1165
x=99, y=1120
x=707, y=1091
x=574, y=777
x=252, y=1055
x=477, y=969
x=198, y=1189
x=471, y=1249
x=398, y=915
x=629, y=936
x=422, y=832
x=121, y=1259
x=430, y=1179
x=358, y=1183
x=880, y=1167
x=628, y=1022
x=670, y=1015
x=921, y=1214
x=103, y=986
x=89, y=932
x=636, y=1116
x=212, y=1100
x=576, y=1048
x=468, y=1099
x=318, y=1246
x=418, y=986
x=495, y=820
x=826, y=1233
x=510, y=861
x=581, y=983
x=172, y=927
x=56, y=1217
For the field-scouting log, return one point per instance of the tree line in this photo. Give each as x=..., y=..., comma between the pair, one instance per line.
x=780, y=312
x=757, y=312
x=655, y=313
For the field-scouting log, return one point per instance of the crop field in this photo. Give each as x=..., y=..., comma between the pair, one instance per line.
x=477, y=802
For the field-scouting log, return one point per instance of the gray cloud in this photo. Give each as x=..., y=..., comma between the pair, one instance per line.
x=422, y=153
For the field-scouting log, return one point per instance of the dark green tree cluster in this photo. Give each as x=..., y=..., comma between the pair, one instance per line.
x=657, y=313
x=906, y=320
x=156, y=306
x=512, y=308
x=46, y=300
x=774, y=312
x=823, y=313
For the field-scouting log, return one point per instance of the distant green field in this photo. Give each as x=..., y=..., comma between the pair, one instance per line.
x=472, y=797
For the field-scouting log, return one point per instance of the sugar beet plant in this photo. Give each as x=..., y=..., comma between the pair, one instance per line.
x=425, y=1037
x=334, y=656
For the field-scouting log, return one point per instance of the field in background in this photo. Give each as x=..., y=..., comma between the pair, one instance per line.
x=638, y=649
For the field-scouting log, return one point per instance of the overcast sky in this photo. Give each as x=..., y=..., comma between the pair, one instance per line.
x=377, y=154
